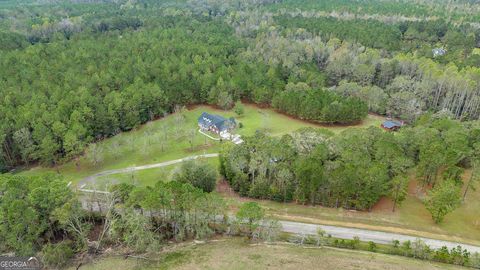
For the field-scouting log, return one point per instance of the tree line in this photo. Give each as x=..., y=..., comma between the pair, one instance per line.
x=413, y=10
x=355, y=168
x=42, y=216
x=56, y=103
x=411, y=36
x=400, y=85
x=62, y=95
x=417, y=249
x=320, y=105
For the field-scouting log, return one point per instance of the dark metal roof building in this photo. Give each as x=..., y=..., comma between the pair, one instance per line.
x=215, y=122
x=391, y=125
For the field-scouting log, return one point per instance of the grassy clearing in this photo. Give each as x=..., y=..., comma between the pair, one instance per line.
x=176, y=137
x=235, y=253
x=462, y=225
x=146, y=177
x=144, y=146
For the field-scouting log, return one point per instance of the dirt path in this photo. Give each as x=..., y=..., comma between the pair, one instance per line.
x=91, y=179
x=379, y=237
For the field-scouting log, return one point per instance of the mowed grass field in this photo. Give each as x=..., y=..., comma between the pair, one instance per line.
x=169, y=138
x=175, y=137
x=236, y=253
x=147, y=145
x=146, y=177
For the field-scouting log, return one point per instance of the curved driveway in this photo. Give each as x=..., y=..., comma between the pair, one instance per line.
x=306, y=228
x=92, y=178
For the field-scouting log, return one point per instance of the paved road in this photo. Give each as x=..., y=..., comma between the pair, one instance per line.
x=298, y=227
x=368, y=235
x=338, y=232
x=91, y=179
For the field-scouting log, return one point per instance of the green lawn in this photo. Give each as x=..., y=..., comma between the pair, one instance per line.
x=146, y=177
x=236, y=253
x=144, y=146
x=169, y=138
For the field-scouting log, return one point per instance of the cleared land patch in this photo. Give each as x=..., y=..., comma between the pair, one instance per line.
x=142, y=146
x=235, y=253
x=462, y=225
x=176, y=136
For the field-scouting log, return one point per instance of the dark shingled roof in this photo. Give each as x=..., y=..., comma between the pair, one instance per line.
x=218, y=121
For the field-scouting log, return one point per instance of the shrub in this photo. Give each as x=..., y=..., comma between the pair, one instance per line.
x=197, y=173
x=57, y=255
x=442, y=255
x=421, y=250
x=239, y=109
x=475, y=260
x=395, y=243
x=122, y=191
x=354, y=243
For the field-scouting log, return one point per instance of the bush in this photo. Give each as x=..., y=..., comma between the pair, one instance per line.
x=57, y=255
x=407, y=248
x=134, y=231
x=122, y=191
x=321, y=105
x=197, y=173
x=475, y=260
x=3, y=168
x=395, y=243
x=239, y=109
x=354, y=243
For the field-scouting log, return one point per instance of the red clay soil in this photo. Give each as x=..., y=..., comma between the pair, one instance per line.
x=224, y=188
x=194, y=106
x=327, y=125
x=385, y=204
x=414, y=189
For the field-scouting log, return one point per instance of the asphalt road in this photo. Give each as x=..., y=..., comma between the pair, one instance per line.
x=339, y=232
x=368, y=235
x=298, y=227
x=91, y=179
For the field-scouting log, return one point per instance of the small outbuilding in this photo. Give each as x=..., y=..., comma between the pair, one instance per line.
x=439, y=52
x=215, y=123
x=391, y=125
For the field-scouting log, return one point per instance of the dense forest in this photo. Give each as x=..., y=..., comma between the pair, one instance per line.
x=321, y=105
x=391, y=10
x=404, y=36
x=44, y=214
x=353, y=169
x=73, y=73
x=78, y=72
